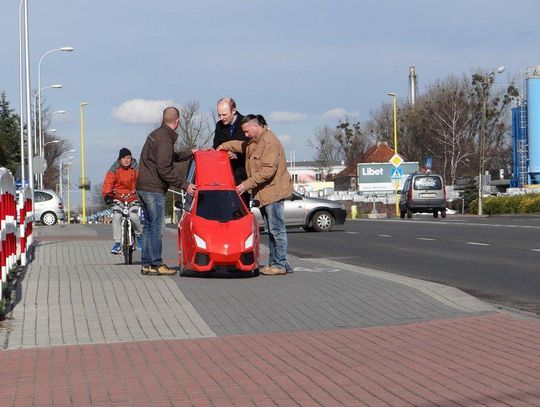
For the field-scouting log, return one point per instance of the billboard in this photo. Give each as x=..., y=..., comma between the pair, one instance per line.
x=381, y=177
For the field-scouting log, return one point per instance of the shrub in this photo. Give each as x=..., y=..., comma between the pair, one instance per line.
x=495, y=205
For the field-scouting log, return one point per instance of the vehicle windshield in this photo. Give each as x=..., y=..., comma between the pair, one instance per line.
x=427, y=183
x=222, y=206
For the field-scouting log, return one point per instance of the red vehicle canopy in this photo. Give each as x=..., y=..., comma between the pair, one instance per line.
x=213, y=168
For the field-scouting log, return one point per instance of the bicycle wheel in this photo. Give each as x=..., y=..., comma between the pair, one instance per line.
x=125, y=242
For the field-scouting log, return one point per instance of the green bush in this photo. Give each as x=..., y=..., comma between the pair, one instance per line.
x=496, y=205
x=2, y=309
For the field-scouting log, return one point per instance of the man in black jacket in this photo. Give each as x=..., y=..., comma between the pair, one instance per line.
x=156, y=175
x=228, y=128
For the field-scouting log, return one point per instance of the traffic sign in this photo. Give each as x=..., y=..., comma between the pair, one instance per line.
x=396, y=173
x=396, y=160
x=40, y=164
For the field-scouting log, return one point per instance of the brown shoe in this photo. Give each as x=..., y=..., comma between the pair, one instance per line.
x=274, y=271
x=165, y=271
x=149, y=270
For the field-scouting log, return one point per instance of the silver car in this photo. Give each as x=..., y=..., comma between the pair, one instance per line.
x=313, y=214
x=48, y=207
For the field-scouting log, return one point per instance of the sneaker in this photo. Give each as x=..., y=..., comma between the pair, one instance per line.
x=274, y=271
x=116, y=248
x=138, y=241
x=165, y=271
x=148, y=269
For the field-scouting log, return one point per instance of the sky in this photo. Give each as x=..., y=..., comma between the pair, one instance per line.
x=300, y=63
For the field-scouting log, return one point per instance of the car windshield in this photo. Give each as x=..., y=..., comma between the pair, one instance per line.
x=427, y=183
x=222, y=206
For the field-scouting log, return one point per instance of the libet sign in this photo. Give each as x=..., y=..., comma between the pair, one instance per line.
x=381, y=177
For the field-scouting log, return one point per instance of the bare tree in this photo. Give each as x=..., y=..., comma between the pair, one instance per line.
x=194, y=129
x=326, y=146
x=353, y=139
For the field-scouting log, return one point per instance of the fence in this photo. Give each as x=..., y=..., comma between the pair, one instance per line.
x=16, y=224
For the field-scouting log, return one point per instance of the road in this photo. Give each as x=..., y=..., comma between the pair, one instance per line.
x=495, y=258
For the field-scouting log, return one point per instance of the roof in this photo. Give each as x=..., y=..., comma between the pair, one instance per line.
x=379, y=153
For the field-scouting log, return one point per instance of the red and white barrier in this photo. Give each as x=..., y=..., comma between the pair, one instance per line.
x=26, y=223
x=15, y=239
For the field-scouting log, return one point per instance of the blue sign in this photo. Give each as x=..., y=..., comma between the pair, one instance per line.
x=396, y=173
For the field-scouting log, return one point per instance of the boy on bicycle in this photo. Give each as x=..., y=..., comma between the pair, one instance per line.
x=119, y=186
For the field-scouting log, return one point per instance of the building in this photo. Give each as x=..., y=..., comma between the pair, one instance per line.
x=346, y=179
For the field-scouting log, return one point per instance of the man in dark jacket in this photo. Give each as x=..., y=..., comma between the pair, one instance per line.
x=228, y=128
x=156, y=174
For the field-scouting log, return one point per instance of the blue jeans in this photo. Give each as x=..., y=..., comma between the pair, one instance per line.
x=274, y=218
x=153, y=205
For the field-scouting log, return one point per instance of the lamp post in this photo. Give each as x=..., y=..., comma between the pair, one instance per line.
x=37, y=134
x=28, y=105
x=486, y=83
x=21, y=99
x=396, y=182
x=83, y=180
x=63, y=49
x=68, y=194
x=60, y=174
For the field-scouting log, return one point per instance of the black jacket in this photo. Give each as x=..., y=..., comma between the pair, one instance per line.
x=222, y=135
x=156, y=165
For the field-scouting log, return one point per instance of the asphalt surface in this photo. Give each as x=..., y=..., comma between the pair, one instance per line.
x=494, y=258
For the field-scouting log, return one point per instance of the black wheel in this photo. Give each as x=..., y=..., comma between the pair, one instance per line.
x=126, y=247
x=409, y=213
x=435, y=214
x=443, y=213
x=323, y=221
x=255, y=272
x=402, y=214
x=49, y=218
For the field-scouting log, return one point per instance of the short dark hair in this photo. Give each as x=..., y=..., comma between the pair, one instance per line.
x=259, y=117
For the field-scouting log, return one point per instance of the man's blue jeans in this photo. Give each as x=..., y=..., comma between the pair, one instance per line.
x=153, y=204
x=274, y=218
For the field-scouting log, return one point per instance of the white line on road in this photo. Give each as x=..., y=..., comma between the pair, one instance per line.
x=385, y=235
x=352, y=233
x=535, y=250
x=478, y=244
x=425, y=238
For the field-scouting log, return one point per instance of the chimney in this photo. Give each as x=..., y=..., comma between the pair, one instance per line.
x=412, y=85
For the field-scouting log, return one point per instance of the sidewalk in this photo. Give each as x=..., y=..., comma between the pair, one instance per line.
x=90, y=331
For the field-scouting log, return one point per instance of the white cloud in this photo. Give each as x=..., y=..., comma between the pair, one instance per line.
x=336, y=114
x=141, y=111
x=285, y=139
x=286, y=117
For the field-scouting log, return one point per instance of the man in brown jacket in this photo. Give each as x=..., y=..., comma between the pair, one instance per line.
x=270, y=183
x=156, y=174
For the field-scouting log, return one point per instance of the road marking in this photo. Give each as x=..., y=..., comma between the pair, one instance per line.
x=316, y=270
x=478, y=244
x=385, y=235
x=353, y=233
x=425, y=238
x=535, y=250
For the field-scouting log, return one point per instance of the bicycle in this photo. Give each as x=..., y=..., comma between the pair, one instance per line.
x=128, y=233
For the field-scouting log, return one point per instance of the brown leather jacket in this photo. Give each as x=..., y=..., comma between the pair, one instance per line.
x=266, y=167
x=156, y=167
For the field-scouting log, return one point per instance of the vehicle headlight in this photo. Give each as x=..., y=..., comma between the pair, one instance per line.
x=249, y=241
x=201, y=244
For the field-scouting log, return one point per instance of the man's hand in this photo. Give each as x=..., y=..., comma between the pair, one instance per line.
x=240, y=189
x=109, y=199
x=191, y=189
x=232, y=156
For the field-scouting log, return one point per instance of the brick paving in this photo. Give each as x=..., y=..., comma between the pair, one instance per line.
x=90, y=332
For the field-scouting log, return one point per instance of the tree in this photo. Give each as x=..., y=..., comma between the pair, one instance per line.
x=194, y=129
x=10, y=140
x=326, y=146
x=352, y=139
x=53, y=153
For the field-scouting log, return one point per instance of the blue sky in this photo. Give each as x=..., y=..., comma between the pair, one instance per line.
x=301, y=63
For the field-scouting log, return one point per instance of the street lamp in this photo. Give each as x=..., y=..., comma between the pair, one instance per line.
x=50, y=142
x=36, y=114
x=486, y=83
x=63, y=49
x=68, y=194
x=396, y=182
x=60, y=174
x=83, y=180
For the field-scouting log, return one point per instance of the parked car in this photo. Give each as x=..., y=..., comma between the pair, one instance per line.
x=313, y=214
x=48, y=207
x=216, y=231
x=422, y=192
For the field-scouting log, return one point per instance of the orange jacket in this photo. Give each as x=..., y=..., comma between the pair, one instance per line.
x=120, y=180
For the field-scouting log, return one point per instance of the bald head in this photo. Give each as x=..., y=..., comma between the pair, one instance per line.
x=170, y=115
x=226, y=109
x=228, y=102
